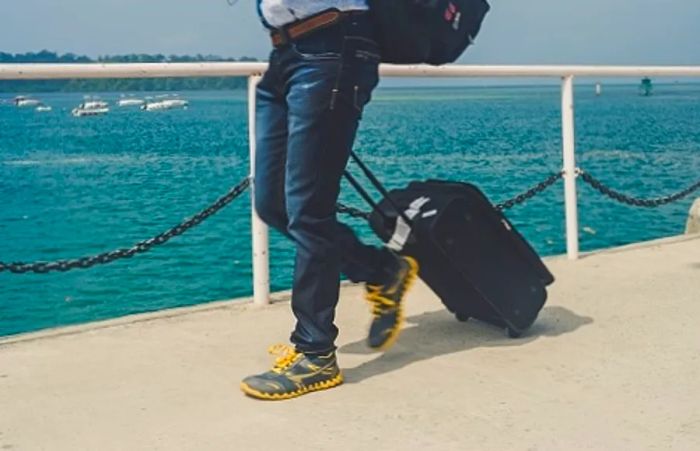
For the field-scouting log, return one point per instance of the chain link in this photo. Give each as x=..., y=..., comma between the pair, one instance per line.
x=138, y=248
x=532, y=192
x=351, y=211
x=647, y=203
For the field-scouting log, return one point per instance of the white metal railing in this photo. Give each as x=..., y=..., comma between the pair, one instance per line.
x=261, y=285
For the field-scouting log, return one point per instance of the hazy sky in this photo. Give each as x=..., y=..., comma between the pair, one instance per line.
x=516, y=31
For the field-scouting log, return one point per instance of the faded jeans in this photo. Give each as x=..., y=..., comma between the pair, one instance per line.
x=309, y=104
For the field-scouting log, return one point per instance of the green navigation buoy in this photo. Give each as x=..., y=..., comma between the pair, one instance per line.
x=645, y=88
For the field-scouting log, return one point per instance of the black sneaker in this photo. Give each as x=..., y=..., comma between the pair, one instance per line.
x=293, y=374
x=387, y=308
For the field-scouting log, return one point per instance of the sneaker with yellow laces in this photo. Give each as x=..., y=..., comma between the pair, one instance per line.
x=294, y=374
x=387, y=304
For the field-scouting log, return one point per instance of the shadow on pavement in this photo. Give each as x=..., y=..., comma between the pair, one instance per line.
x=438, y=333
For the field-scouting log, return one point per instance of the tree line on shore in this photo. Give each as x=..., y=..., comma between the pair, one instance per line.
x=109, y=84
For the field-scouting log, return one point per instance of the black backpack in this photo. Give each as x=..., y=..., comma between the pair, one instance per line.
x=426, y=31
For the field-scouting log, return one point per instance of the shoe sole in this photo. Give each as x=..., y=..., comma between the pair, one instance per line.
x=396, y=330
x=318, y=386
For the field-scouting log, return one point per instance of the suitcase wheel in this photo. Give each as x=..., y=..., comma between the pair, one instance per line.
x=462, y=317
x=512, y=333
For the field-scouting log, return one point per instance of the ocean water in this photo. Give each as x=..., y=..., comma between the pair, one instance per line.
x=71, y=187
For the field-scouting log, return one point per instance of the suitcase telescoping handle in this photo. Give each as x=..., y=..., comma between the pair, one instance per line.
x=377, y=184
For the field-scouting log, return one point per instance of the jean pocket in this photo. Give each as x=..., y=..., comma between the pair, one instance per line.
x=360, y=70
x=362, y=50
x=314, y=53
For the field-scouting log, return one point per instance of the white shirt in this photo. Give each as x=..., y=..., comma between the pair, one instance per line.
x=277, y=13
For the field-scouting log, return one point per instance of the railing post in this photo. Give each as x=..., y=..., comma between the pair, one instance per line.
x=569, y=149
x=259, y=232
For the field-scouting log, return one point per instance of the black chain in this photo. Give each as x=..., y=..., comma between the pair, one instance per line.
x=352, y=212
x=532, y=192
x=648, y=203
x=138, y=248
x=519, y=199
x=240, y=188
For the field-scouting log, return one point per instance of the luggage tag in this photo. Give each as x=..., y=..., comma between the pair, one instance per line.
x=402, y=230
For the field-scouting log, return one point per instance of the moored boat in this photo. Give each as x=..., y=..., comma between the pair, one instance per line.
x=91, y=108
x=22, y=101
x=130, y=101
x=168, y=104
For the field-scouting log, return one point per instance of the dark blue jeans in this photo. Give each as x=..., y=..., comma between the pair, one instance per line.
x=309, y=104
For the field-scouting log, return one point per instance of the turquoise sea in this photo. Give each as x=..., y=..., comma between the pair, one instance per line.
x=71, y=187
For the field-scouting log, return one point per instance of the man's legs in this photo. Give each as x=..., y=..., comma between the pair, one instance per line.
x=309, y=106
x=314, y=149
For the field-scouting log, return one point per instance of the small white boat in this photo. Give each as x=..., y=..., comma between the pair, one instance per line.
x=95, y=104
x=168, y=104
x=130, y=102
x=93, y=108
x=42, y=108
x=22, y=101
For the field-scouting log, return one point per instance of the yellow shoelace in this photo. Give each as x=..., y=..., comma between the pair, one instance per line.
x=376, y=294
x=379, y=303
x=286, y=355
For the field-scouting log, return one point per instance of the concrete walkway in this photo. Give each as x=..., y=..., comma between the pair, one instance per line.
x=613, y=363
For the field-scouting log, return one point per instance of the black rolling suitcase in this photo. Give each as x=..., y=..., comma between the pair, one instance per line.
x=470, y=255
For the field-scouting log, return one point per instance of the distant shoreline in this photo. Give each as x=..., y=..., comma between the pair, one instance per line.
x=123, y=85
x=118, y=84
